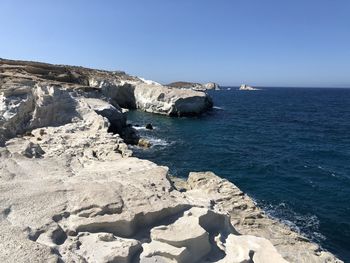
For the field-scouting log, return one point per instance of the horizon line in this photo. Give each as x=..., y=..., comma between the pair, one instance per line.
x=191, y=81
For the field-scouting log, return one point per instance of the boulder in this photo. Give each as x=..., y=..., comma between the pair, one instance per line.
x=144, y=143
x=250, y=249
x=149, y=126
x=105, y=247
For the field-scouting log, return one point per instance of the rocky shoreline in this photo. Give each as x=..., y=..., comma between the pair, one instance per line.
x=72, y=192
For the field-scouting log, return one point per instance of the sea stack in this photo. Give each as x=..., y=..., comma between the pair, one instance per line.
x=247, y=87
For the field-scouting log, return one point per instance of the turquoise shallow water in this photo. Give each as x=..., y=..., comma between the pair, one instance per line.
x=289, y=149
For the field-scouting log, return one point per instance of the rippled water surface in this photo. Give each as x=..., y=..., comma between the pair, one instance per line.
x=289, y=149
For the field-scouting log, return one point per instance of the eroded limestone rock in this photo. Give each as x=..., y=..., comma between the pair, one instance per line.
x=250, y=249
x=83, y=198
x=105, y=247
x=114, y=114
x=202, y=235
x=169, y=101
x=209, y=190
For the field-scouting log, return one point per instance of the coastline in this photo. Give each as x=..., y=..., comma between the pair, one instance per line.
x=73, y=157
x=249, y=219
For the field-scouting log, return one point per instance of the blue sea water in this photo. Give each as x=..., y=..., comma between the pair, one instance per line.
x=287, y=148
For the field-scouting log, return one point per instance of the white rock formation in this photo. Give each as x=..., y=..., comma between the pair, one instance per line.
x=211, y=86
x=80, y=200
x=250, y=249
x=207, y=189
x=71, y=192
x=172, y=102
x=114, y=115
x=119, y=88
x=246, y=87
x=25, y=105
x=156, y=98
x=105, y=247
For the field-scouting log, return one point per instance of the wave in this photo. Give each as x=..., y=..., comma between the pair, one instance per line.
x=217, y=108
x=139, y=128
x=143, y=128
x=156, y=141
x=305, y=224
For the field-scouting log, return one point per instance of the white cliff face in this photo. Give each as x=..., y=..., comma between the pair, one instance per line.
x=32, y=106
x=157, y=98
x=173, y=102
x=70, y=191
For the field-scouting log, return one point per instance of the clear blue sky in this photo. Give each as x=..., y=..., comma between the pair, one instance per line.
x=261, y=42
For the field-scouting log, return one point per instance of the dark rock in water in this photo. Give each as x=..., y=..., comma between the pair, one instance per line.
x=129, y=135
x=149, y=126
x=144, y=143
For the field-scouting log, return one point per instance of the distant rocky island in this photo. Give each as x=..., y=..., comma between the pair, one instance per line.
x=71, y=191
x=247, y=87
x=194, y=86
